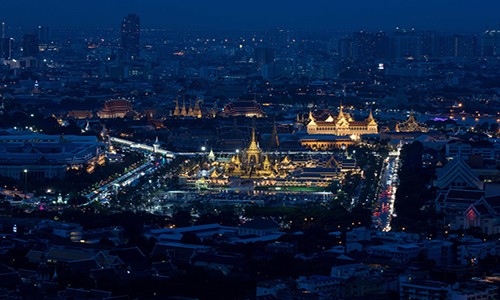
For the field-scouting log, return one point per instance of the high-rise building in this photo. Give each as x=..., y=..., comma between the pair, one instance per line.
x=6, y=44
x=6, y=48
x=30, y=45
x=346, y=48
x=131, y=37
x=406, y=43
x=428, y=43
x=263, y=56
x=490, y=43
x=457, y=45
x=43, y=37
x=368, y=45
x=3, y=29
x=278, y=37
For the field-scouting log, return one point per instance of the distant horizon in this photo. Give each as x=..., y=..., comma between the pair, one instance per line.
x=33, y=28
x=223, y=15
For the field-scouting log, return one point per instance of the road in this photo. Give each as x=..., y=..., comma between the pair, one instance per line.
x=384, y=211
x=171, y=155
x=103, y=192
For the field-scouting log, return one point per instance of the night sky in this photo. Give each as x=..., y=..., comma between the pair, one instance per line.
x=444, y=15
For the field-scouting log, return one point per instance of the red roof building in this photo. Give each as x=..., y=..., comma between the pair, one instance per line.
x=116, y=108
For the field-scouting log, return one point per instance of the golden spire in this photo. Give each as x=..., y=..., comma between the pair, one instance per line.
x=190, y=110
x=286, y=160
x=411, y=118
x=197, y=109
x=211, y=155
x=237, y=162
x=183, y=110
x=311, y=120
x=341, y=111
x=370, y=118
x=237, y=159
x=176, y=110
x=266, y=164
x=253, y=151
x=253, y=142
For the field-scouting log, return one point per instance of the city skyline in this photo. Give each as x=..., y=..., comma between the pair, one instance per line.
x=446, y=15
x=250, y=150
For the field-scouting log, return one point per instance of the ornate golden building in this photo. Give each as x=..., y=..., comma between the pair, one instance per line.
x=254, y=165
x=342, y=125
x=411, y=125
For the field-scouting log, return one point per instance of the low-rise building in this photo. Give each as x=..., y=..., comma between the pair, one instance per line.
x=402, y=253
x=439, y=251
x=259, y=227
x=39, y=156
x=412, y=288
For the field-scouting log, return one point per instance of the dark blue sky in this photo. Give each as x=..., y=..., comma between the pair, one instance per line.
x=443, y=15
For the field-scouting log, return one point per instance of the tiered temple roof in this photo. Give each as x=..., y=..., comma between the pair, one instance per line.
x=247, y=108
x=116, y=108
x=457, y=174
x=411, y=125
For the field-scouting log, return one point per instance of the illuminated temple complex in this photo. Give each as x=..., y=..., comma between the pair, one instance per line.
x=342, y=125
x=266, y=171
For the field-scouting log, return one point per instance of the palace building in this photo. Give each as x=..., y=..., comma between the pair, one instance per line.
x=342, y=125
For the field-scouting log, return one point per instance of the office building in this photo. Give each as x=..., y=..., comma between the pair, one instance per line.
x=368, y=45
x=30, y=45
x=43, y=37
x=6, y=48
x=131, y=37
x=490, y=43
x=263, y=56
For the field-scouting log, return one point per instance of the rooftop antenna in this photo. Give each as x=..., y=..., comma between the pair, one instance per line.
x=3, y=29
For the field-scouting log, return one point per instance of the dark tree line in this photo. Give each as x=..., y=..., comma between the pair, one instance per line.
x=413, y=190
